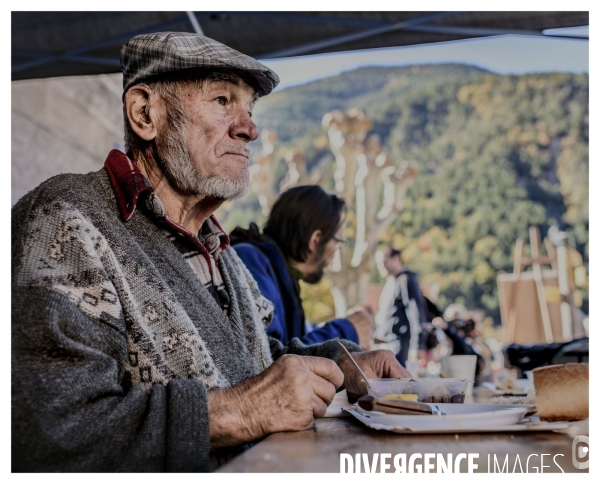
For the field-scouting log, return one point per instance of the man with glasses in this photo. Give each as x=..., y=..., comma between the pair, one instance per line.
x=299, y=240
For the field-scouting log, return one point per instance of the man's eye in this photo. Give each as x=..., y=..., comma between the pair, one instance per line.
x=222, y=100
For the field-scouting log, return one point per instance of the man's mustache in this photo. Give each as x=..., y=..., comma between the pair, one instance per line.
x=236, y=150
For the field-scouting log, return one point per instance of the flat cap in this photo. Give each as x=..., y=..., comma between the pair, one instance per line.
x=148, y=55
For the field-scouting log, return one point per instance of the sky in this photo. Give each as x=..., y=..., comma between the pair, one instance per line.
x=507, y=54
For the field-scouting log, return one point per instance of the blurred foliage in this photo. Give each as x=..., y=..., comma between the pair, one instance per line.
x=495, y=154
x=318, y=301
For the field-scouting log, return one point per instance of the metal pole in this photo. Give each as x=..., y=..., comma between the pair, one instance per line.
x=195, y=23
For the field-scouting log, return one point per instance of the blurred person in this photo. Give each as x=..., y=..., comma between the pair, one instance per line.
x=138, y=336
x=298, y=241
x=458, y=326
x=405, y=313
x=451, y=327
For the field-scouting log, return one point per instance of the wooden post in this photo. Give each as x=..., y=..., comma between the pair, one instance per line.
x=517, y=267
x=551, y=251
x=566, y=286
x=534, y=238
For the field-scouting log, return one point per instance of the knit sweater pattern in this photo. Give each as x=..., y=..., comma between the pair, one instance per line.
x=115, y=342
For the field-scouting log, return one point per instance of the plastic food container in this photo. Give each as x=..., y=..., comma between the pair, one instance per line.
x=428, y=390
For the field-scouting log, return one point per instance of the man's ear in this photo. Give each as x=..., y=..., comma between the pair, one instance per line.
x=141, y=112
x=314, y=241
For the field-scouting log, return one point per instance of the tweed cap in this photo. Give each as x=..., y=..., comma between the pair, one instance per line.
x=148, y=55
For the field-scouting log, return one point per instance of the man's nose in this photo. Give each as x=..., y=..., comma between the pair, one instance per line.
x=243, y=127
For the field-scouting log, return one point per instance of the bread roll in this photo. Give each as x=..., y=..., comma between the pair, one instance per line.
x=562, y=391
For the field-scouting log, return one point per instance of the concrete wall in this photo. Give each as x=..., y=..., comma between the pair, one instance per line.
x=63, y=125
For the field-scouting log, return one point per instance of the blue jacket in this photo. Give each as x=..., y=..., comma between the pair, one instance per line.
x=268, y=267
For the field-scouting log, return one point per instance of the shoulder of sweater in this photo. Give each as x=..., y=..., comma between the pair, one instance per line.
x=58, y=199
x=408, y=273
x=69, y=187
x=262, y=253
x=232, y=257
x=248, y=252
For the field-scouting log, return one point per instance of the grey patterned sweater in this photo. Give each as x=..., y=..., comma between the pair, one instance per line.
x=114, y=340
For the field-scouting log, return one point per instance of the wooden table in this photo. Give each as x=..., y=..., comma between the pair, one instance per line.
x=319, y=449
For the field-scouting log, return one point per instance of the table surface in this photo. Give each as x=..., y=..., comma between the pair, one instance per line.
x=319, y=449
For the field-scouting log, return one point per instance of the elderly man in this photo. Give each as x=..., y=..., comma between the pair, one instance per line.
x=299, y=240
x=138, y=336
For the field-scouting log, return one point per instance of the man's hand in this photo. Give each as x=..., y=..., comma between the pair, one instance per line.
x=288, y=395
x=364, y=325
x=374, y=364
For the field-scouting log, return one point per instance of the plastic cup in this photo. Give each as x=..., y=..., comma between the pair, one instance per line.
x=460, y=366
x=413, y=368
x=428, y=390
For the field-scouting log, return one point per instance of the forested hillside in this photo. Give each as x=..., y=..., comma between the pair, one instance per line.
x=495, y=154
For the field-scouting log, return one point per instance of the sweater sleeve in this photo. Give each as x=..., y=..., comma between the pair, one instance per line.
x=262, y=271
x=74, y=407
x=328, y=349
x=336, y=328
x=71, y=408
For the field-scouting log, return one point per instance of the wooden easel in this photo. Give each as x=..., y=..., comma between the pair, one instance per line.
x=536, y=260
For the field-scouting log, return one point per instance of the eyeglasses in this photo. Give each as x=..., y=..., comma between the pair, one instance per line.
x=339, y=241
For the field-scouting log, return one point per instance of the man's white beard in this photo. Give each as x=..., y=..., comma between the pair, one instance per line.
x=176, y=163
x=221, y=187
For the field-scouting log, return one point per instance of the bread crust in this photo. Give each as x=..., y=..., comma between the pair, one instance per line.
x=562, y=391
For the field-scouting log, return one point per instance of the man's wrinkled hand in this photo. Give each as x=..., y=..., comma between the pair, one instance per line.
x=374, y=364
x=288, y=395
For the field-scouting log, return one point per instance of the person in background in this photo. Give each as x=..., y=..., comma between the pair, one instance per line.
x=460, y=327
x=452, y=322
x=298, y=241
x=407, y=310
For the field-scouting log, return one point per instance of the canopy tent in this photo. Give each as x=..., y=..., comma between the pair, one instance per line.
x=50, y=44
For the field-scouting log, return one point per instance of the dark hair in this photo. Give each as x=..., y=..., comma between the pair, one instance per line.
x=297, y=213
x=393, y=252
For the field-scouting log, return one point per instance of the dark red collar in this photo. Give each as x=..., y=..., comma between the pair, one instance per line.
x=128, y=183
